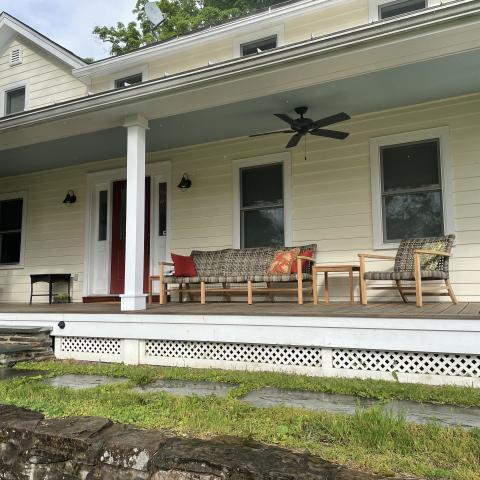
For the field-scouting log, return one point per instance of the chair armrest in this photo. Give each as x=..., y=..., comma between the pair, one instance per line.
x=432, y=252
x=377, y=257
x=162, y=268
x=308, y=259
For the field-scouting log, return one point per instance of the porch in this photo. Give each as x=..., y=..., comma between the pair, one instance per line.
x=434, y=345
x=379, y=310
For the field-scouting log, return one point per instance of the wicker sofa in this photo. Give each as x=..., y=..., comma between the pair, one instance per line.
x=236, y=271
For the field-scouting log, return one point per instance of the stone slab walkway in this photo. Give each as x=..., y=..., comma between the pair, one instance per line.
x=185, y=387
x=80, y=382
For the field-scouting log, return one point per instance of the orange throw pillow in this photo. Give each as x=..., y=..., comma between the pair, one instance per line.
x=282, y=262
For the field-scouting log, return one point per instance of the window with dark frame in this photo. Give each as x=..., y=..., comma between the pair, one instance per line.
x=412, y=197
x=129, y=81
x=262, y=206
x=15, y=101
x=11, y=221
x=250, y=48
x=393, y=9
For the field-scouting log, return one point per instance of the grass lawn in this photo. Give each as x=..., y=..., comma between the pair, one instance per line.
x=369, y=440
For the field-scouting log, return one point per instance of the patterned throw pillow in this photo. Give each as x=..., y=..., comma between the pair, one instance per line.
x=282, y=262
x=431, y=262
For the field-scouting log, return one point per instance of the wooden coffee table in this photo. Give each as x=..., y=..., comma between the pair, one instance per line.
x=326, y=269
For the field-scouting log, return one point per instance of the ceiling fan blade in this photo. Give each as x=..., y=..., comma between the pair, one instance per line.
x=338, y=117
x=320, y=132
x=271, y=133
x=294, y=140
x=285, y=118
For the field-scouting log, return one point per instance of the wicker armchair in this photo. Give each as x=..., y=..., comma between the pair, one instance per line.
x=418, y=260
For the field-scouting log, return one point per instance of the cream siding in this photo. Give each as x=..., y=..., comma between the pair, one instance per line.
x=330, y=190
x=48, y=80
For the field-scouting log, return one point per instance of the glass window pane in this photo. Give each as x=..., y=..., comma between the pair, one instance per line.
x=263, y=227
x=410, y=166
x=413, y=215
x=11, y=214
x=263, y=44
x=123, y=214
x=262, y=186
x=15, y=101
x=128, y=81
x=162, y=209
x=398, y=8
x=10, y=247
x=102, y=215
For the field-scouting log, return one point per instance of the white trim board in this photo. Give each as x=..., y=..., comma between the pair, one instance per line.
x=16, y=26
x=373, y=7
x=412, y=335
x=446, y=165
x=103, y=180
x=281, y=157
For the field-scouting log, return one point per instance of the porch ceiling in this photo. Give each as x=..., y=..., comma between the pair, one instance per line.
x=406, y=85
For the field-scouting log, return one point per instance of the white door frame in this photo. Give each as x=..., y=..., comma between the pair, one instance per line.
x=98, y=257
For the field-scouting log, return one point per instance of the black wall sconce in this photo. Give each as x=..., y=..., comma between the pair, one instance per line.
x=185, y=183
x=70, y=198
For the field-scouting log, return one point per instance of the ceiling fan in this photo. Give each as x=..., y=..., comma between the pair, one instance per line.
x=301, y=126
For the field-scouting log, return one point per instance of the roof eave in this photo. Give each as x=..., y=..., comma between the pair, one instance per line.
x=327, y=44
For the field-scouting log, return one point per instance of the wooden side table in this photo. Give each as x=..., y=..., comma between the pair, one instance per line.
x=326, y=269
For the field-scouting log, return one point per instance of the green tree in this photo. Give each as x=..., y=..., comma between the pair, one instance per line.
x=183, y=16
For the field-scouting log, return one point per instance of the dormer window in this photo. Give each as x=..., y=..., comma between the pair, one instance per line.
x=258, y=46
x=15, y=101
x=400, y=7
x=129, y=81
x=16, y=56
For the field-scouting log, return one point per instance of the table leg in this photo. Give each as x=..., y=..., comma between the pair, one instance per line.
x=70, y=290
x=326, y=292
x=314, y=287
x=350, y=284
x=31, y=291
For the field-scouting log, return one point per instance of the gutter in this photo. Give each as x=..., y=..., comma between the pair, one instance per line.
x=294, y=52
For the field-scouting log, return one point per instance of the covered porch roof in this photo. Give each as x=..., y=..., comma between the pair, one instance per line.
x=422, y=57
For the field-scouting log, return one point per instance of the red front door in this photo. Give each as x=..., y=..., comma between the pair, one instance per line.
x=119, y=217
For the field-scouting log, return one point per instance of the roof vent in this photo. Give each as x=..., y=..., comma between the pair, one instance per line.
x=16, y=56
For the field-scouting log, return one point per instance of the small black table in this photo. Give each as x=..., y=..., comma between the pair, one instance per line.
x=51, y=279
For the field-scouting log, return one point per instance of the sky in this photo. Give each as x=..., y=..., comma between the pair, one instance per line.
x=70, y=22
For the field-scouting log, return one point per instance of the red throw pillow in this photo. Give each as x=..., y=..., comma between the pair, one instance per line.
x=306, y=253
x=282, y=262
x=183, y=266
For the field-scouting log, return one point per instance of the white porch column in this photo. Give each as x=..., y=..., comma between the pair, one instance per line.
x=134, y=298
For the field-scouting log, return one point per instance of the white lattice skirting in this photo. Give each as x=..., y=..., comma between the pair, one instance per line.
x=417, y=367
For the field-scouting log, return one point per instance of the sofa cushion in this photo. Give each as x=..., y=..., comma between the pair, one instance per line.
x=210, y=263
x=183, y=266
x=261, y=278
x=404, y=257
x=408, y=275
x=249, y=261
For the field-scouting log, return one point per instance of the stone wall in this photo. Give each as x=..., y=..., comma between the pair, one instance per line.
x=91, y=448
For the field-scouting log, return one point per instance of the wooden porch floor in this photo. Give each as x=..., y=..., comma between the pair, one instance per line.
x=445, y=310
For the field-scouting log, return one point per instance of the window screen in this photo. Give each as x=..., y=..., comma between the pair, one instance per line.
x=262, y=206
x=411, y=190
x=393, y=9
x=11, y=216
x=15, y=101
x=257, y=46
x=128, y=81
